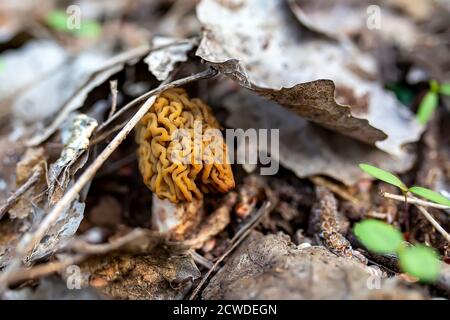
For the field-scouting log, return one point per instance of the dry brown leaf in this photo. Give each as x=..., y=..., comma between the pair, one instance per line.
x=306, y=148
x=347, y=18
x=272, y=267
x=141, y=277
x=75, y=137
x=260, y=45
x=33, y=160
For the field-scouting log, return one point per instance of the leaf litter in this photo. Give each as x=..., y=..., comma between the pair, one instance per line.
x=293, y=68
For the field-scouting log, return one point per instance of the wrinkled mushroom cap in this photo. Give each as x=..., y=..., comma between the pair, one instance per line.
x=182, y=153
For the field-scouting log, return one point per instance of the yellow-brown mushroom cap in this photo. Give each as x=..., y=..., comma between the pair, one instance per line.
x=181, y=152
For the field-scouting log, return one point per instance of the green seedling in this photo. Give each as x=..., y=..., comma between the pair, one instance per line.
x=419, y=261
x=396, y=181
x=431, y=100
x=57, y=20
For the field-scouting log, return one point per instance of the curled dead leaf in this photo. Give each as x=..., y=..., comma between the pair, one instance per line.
x=261, y=47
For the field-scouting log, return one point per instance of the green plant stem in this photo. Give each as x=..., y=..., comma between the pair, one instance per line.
x=406, y=213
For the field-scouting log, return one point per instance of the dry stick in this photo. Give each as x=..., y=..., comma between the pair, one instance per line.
x=200, y=259
x=114, y=116
x=114, y=92
x=136, y=101
x=414, y=200
x=242, y=235
x=19, y=192
x=104, y=135
x=83, y=247
x=28, y=241
x=44, y=269
x=83, y=250
x=114, y=62
x=435, y=224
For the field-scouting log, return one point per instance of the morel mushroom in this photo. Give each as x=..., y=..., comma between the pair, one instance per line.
x=181, y=152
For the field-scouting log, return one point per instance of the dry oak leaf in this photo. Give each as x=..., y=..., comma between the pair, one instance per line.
x=174, y=163
x=261, y=46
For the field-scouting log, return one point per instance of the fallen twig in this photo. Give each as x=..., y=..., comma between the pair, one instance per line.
x=114, y=92
x=237, y=239
x=200, y=259
x=29, y=240
x=140, y=99
x=44, y=269
x=83, y=247
x=335, y=188
x=414, y=200
x=83, y=250
x=435, y=224
x=20, y=191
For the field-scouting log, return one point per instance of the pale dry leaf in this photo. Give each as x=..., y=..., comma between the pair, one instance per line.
x=306, y=148
x=10, y=153
x=162, y=62
x=260, y=45
x=26, y=66
x=272, y=267
x=33, y=160
x=24, y=169
x=59, y=233
x=350, y=18
x=76, y=141
x=46, y=97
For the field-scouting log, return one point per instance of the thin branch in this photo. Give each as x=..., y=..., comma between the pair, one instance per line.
x=243, y=233
x=414, y=200
x=113, y=65
x=83, y=250
x=435, y=224
x=29, y=240
x=144, y=97
x=200, y=259
x=44, y=269
x=114, y=92
x=83, y=247
x=20, y=191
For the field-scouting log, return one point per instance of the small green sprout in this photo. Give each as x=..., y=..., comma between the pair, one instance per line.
x=395, y=181
x=430, y=195
x=378, y=236
x=384, y=176
x=57, y=20
x=419, y=261
x=431, y=100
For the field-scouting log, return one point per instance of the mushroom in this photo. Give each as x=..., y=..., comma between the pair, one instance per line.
x=182, y=154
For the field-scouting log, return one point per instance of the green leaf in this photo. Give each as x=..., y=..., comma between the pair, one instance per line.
x=57, y=20
x=383, y=176
x=378, y=236
x=88, y=29
x=434, y=86
x=445, y=89
x=421, y=262
x=430, y=195
x=427, y=107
